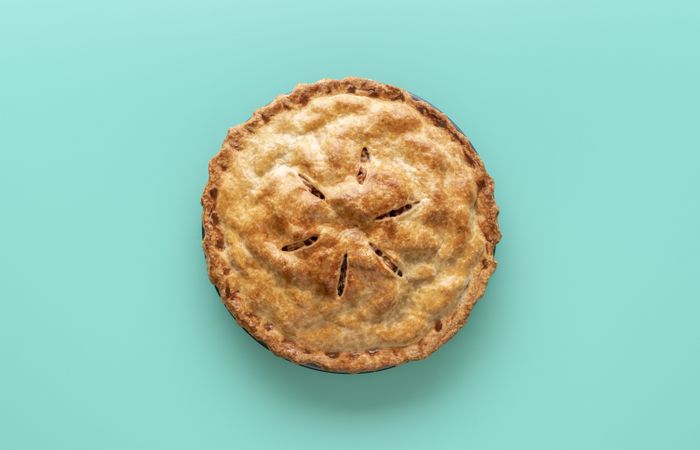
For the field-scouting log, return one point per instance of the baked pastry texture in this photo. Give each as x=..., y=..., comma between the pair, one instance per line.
x=349, y=226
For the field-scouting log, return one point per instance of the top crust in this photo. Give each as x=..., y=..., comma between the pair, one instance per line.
x=349, y=226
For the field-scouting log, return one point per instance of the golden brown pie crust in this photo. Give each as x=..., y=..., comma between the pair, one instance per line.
x=349, y=226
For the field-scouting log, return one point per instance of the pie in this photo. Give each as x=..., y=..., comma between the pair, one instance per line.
x=349, y=226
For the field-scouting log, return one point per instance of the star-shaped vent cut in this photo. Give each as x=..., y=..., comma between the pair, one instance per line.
x=385, y=260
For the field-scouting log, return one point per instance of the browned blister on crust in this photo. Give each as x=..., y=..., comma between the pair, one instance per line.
x=349, y=226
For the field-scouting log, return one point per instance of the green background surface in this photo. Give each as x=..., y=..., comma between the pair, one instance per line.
x=585, y=113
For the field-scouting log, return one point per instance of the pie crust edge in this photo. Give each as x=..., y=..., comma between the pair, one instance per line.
x=214, y=243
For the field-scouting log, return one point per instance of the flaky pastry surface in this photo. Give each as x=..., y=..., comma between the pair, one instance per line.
x=349, y=226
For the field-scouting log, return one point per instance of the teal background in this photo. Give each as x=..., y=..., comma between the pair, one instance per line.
x=585, y=113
